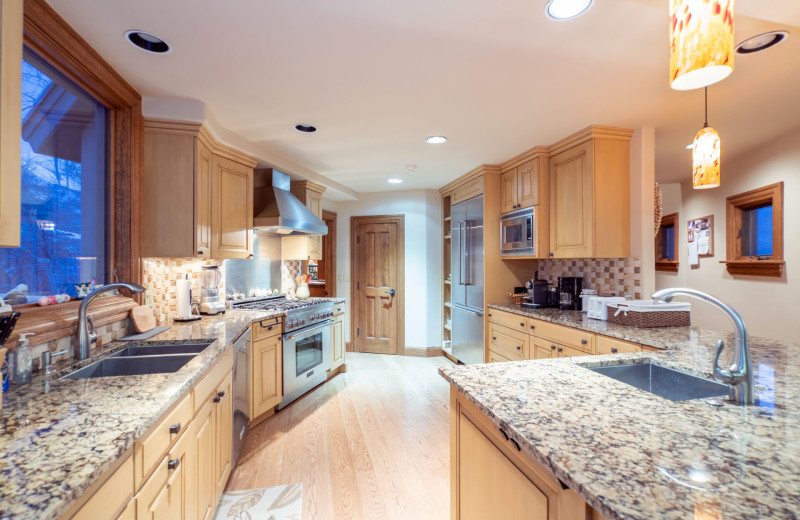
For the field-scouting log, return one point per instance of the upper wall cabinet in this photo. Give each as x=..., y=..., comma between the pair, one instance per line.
x=519, y=186
x=524, y=183
x=10, y=115
x=590, y=194
x=198, y=194
x=305, y=247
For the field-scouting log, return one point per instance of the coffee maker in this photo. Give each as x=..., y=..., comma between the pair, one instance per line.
x=210, y=302
x=569, y=290
x=539, y=295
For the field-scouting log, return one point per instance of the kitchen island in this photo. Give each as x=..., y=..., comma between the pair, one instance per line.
x=60, y=436
x=631, y=454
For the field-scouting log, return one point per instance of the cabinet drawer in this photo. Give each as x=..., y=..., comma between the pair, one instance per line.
x=211, y=381
x=339, y=308
x=542, y=348
x=154, y=445
x=266, y=328
x=112, y=495
x=606, y=345
x=565, y=351
x=507, y=319
x=509, y=343
x=468, y=190
x=568, y=336
x=494, y=357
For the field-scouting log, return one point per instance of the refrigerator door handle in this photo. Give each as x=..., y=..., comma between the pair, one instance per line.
x=467, y=266
x=460, y=252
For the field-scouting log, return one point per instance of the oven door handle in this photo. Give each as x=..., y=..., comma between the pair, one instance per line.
x=303, y=333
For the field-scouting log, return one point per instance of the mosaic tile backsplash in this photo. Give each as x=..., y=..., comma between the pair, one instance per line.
x=105, y=334
x=290, y=269
x=608, y=276
x=161, y=275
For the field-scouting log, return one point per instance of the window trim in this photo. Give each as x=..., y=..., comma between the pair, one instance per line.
x=670, y=266
x=49, y=36
x=736, y=264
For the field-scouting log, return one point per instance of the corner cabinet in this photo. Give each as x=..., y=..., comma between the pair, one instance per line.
x=197, y=194
x=590, y=194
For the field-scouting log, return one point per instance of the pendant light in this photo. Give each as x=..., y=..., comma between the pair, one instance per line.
x=705, y=156
x=701, y=42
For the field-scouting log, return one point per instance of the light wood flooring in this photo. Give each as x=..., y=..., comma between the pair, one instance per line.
x=372, y=443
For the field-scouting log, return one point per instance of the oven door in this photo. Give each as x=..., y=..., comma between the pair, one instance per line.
x=306, y=360
x=517, y=232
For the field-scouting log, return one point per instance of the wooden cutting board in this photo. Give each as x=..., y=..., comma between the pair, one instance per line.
x=143, y=318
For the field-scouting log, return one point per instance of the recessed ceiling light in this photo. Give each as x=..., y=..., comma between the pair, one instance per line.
x=761, y=42
x=436, y=139
x=566, y=9
x=306, y=129
x=148, y=42
x=395, y=181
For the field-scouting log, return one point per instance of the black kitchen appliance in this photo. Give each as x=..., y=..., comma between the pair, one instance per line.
x=569, y=290
x=539, y=295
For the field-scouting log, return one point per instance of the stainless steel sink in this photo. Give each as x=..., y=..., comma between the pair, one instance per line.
x=664, y=382
x=132, y=366
x=161, y=350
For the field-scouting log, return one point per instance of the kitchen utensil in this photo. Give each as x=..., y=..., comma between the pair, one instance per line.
x=142, y=318
x=9, y=327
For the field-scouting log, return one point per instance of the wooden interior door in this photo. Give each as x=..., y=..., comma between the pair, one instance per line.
x=377, y=273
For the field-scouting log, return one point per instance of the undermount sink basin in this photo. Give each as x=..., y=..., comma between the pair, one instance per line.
x=132, y=366
x=664, y=382
x=161, y=350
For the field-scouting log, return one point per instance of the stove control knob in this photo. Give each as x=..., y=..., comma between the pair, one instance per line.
x=290, y=323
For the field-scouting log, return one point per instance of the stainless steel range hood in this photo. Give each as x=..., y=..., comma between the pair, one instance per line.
x=276, y=211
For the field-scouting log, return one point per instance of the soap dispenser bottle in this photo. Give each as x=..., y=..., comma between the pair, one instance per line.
x=23, y=354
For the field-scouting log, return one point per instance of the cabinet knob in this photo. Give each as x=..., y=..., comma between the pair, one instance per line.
x=583, y=342
x=173, y=464
x=552, y=347
x=613, y=350
x=490, y=314
x=532, y=327
x=521, y=324
x=560, y=349
x=551, y=254
x=175, y=428
x=494, y=338
x=200, y=252
x=519, y=348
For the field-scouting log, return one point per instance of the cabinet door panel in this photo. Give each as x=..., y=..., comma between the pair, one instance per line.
x=565, y=351
x=267, y=372
x=489, y=484
x=337, y=340
x=542, y=349
x=509, y=343
x=153, y=503
x=528, y=184
x=232, y=209
x=204, y=430
x=224, y=433
x=571, y=203
x=508, y=191
x=202, y=203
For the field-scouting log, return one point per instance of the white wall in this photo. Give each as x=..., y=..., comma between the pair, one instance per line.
x=643, y=171
x=769, y=305
x=672, y=202
x=423, y=255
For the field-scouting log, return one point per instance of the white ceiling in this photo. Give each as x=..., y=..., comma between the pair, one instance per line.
x=376, y=78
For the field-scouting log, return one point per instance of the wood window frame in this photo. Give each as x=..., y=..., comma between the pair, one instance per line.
x=49, y=36
x=736, y=264
x=670, y=266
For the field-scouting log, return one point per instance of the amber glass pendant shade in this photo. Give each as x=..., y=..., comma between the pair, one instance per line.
x=705, y=159
x=701, y=42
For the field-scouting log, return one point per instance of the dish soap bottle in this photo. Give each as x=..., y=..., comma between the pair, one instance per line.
x=23, y=369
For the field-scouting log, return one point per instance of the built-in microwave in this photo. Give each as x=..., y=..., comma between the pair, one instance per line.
x=517, y=232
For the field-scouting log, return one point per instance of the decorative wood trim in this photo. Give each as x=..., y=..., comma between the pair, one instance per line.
x=668, y=265
x=54, y=322
x=348, y=346
x=773, y=268
x=735, y=263
x=309, y=185
x=589, y=133
x=423, y=351
x=470, y=175
x=10, y=109
x=199, y=130
x=330, y=275
x=528, y=155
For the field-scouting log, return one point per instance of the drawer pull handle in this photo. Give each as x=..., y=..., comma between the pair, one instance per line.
x=519, y=348
x=522, y=325
x=200, y=252
x=173, y=464
x=584, y=342
x=552, y=347
x=532, y=327
x=515, y=444
x=505, y=435
x=175, y=428
x=219, y=396
x=613, y=350
x=490, y=314
x=494, y=338
x=560, y=349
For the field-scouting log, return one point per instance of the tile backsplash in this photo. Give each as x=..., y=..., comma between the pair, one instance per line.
x=161, y=275
x=290, y=269
x=608, y=276
x=105, y=334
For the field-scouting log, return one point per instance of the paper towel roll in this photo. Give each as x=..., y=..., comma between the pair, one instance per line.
x=184, y=297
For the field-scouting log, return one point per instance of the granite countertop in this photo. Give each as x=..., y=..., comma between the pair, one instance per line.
x=633, y=455
x=59, y=436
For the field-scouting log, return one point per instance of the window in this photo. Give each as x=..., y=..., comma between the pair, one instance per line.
x=754, y=232
x=64, y=201
x=667, y=244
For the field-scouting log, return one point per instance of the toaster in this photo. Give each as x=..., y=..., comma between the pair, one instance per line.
x=598, y=306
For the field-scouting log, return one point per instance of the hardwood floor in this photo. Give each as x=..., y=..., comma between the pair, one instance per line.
x=372, y=443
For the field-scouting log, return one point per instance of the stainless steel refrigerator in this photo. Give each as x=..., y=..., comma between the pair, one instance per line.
x=467, y=280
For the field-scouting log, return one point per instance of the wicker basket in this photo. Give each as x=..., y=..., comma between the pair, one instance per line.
x=517, y=298
x=647, y=314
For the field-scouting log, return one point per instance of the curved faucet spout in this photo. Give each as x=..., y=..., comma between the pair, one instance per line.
x=740, y=374
x=85, y=338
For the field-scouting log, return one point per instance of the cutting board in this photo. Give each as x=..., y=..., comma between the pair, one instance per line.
x=143, y=318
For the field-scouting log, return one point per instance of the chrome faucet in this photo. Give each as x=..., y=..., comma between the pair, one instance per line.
x=86, y=337
x=740, y=374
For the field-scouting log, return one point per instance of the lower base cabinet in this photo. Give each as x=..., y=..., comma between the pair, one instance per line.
x=267, y=374
x=489, y=478
x=203, y=430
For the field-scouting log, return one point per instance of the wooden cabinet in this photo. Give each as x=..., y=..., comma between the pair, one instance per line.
x=590, y=195
x=543, y=349
x=305, y=247
x=203, y=439
x=266, y=374
x=519, y=187
x=149, y=450
x=508, y=343
x=508, y=319
x=565, y=351
x=575, y=338
x=337, y=337
x=10, y=125
x=467, y=190
x=111, y=496
x=607, y=345
x=490, y=478
x=224, y=433
x=197, y=194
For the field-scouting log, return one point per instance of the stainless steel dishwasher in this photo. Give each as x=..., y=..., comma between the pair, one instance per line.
x=241, y=392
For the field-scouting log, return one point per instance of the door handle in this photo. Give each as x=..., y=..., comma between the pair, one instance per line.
x=391, y=292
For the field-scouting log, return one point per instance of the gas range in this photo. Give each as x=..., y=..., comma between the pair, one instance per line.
x=299, y=313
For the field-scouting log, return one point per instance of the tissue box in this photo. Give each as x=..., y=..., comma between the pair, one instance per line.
x=649, y=314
